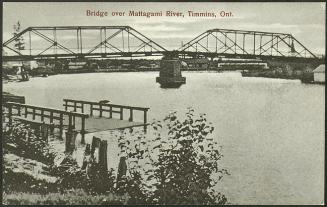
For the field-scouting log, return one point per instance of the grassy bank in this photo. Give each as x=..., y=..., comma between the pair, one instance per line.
x=76, y=197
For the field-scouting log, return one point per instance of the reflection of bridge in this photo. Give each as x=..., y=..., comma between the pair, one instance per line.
x=75, y=42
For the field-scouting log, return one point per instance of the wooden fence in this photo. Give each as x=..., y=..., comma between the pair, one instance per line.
x=46, y=116
x=12, y=98
x=104, y=108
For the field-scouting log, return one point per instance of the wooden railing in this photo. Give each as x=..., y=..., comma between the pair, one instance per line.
x=13, y=98
x=105, y=108
x=23, y=110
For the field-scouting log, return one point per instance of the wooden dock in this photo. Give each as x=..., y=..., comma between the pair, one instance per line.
x=85, y=117
x=104, y=116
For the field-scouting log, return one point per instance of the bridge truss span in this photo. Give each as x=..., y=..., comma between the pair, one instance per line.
x=80, y=42
x=247, y=44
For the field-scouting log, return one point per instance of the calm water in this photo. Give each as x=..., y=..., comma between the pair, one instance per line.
x=272, y=131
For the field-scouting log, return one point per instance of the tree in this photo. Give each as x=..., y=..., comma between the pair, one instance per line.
x=177, y=164
x=19, y=42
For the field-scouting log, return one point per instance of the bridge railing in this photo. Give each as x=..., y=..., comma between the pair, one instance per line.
x=108, y=108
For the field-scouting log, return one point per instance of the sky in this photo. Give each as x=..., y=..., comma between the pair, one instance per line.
x=304, y=20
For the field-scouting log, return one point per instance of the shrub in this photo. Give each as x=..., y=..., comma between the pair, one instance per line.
x=21, y=140
x=177, y=164
x=96, y=181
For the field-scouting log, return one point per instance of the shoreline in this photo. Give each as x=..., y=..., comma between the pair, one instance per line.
x=243, y=74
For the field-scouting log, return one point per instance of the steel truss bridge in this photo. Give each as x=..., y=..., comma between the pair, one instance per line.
x=78, y=42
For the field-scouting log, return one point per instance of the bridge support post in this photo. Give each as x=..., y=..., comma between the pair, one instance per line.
x=170, y=75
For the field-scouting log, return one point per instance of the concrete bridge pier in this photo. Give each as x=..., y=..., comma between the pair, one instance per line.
x=170, y=75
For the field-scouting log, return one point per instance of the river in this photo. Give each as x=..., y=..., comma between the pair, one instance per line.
x=271, y=130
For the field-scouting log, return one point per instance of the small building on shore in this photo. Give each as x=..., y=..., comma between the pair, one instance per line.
x=319, y=74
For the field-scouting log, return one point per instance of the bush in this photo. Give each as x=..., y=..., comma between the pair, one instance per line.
x=178, y=164
x=95, y=181
x=20, y=139
x=22, y=182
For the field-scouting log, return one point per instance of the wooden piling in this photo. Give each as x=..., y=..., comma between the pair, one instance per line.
x=70, y=140
x=83, y=131
x=103, y=162
x=44, y=131
x=74, y=119
x=95, y=143
x=61, y=125
x=70, y=125
x=10, y=114
x=91, y=109
x=51, y=123
x=122, y=169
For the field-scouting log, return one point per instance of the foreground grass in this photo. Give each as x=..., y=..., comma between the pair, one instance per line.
x=76, y=197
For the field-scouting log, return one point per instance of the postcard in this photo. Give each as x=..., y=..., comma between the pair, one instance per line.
x=169, y=103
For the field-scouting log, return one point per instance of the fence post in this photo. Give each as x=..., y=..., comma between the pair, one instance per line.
x=130, y=114
x=75, y=106
x=145, y=119
x=121, y=113
x=100, y=108
x=51, y=123
x=42, y=115
x=91, y=109
x=33, y=113
x=82, y=105
x=110, y=112
x=66, y=103
x=25, y=111
x=18, y=109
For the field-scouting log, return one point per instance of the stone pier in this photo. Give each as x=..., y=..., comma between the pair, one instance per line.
x=170, y=75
